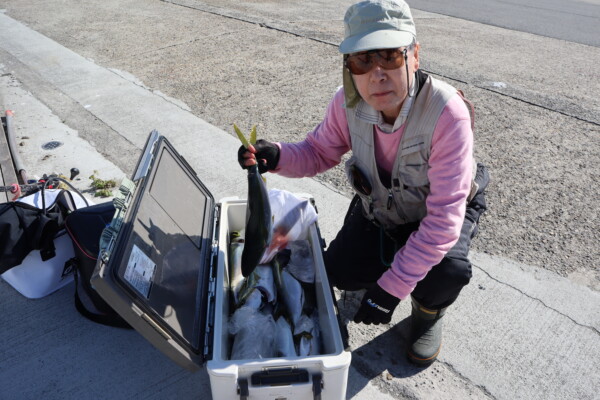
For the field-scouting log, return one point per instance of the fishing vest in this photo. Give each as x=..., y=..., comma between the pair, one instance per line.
x=404, y=200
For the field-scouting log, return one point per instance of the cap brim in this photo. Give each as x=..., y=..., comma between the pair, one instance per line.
x=382, y=39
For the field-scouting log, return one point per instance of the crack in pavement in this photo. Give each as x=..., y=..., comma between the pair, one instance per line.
x=467, y=379
x=593, y=329
x=298, y=33
x=131, y=56
x=250, y=20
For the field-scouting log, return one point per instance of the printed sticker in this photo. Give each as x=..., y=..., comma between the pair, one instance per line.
x=140, y=271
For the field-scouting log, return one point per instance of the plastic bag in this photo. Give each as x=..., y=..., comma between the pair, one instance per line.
x=303, y=331
x=301, y=264
x=284, y=340
x=316, y=335
x=293, y=296
x=307, y=335
x=292, y=216
x=253, y=332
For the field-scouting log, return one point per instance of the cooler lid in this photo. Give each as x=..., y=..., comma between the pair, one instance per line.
x=155, y=261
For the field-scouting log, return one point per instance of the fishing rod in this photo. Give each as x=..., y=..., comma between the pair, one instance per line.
x=14, y=188
x=47, y=182
x=30, y=188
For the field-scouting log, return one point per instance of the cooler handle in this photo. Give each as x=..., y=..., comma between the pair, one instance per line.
x=317, y=386
x=243, y=389
x=280, y=377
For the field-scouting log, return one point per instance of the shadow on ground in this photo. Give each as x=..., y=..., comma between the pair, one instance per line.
x=384, y=355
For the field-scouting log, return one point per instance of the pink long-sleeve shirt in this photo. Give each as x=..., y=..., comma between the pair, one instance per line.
x=450, y=175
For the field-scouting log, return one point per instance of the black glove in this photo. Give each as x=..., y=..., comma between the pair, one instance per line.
x=377, y=307
x=267, y=155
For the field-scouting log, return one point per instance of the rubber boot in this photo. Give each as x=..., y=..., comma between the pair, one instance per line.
x=425, y=334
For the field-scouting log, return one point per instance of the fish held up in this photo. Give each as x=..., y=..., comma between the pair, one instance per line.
x=258, y=214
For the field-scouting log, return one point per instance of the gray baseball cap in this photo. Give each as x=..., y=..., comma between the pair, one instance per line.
x=377, y=24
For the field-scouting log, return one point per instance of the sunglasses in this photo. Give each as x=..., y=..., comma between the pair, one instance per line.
x=361, y=63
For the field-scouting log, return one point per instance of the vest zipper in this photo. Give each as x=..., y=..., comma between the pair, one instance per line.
x=390, y=199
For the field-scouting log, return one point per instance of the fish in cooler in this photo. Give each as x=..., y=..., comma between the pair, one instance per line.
x=236, y=278
x=306, y=333
x=284, y=340
x=272, y=290
x=260, y=279
x=253, y=334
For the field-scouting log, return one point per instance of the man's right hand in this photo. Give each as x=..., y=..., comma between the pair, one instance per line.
x=266, y=153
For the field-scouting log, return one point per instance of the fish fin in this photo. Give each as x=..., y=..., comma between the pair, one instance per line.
x=241, y=136
x=253, y=135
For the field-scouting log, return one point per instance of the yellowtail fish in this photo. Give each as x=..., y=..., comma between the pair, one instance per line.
x=258, y=222
x=236, y=248
x=258, y=213
x=289, y=290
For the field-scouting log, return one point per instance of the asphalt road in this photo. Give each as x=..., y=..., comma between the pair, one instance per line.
x=572, y=21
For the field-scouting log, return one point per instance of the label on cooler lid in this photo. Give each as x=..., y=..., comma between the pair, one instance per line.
x=140, y=271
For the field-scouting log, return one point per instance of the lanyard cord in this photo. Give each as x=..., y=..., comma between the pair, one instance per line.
x=407, y=77
x=43, y=200
x=381, y=249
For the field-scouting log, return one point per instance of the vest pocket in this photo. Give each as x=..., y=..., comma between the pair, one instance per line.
x=415, y=184
x=360, y=183
x=416, y=144
x=412, y=170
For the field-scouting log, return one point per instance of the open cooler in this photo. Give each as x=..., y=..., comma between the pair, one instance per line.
x=163, y=267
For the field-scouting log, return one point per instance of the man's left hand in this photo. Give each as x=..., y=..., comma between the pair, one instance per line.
x=377, y=307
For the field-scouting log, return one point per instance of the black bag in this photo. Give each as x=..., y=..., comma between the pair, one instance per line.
x=24, y=228
x=85, y=227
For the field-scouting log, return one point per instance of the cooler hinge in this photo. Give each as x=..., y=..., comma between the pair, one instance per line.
x=212, y=284
x=147, y=156
x=215, y=239
x=210, y=319
x=323, y=242
x=121, y=202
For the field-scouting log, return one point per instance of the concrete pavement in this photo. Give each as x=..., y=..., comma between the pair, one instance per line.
x=276, y=65
x=517, y=332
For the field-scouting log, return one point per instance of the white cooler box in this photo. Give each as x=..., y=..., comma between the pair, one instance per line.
x=163, y=267
x=35, y=278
